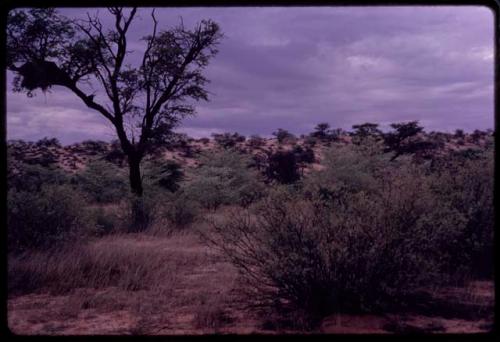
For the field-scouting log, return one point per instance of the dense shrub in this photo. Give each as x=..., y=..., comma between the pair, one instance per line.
x=283, y=167
x=115, y=154
x=304, y=155
x=365, y=131
x=344, y=253
x=464, y=181
x=48, y=142
x=166, y=175
x=30, y=178
x=228, y=140
x=353, y=167
x=142, y=212
x=104, y=221
x=283, y=136
x=43, y=157
x=256, y=141
x=181, y=211
x=95, y=147
x=323, y=132
x=103, y=182
x=225, y=177
x=459, y=133
x=407, y=139
x=178, y=140
x=477, y=135
x=43, y=219
x=366, y=234
x=310, y=141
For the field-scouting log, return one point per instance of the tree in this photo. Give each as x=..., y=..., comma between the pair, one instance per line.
x=321, y=130
x=282, y=135
x=404, y=139
x=366, y=129
x=144, y=102
x=459, y=133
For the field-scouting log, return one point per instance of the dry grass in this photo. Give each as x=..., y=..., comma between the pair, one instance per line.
x=149, y=284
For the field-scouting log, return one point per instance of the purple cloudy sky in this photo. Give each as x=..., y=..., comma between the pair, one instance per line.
x=294, y=67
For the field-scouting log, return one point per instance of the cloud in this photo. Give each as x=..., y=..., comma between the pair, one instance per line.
x=294, y=67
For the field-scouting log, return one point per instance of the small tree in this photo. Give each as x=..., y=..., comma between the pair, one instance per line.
x=404, y=139
x=228, y=140
x=256, y=141
x=366, y=132
x=282, y=134
x=366, y=129
x=283, y=167
x=459, y=133
x=321, y=130
x=144, y=102
x=477, y=135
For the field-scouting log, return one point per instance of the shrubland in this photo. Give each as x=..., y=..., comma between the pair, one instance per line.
x=364, y=232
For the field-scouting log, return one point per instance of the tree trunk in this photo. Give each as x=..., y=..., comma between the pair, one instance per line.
x=134, y=163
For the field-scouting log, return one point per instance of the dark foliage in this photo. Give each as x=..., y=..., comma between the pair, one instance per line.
x=282, y=135
x=405, y=140
x=228, y=140
x=45, y=49
x=283, y=167
x=304, y=155
x=43, y=219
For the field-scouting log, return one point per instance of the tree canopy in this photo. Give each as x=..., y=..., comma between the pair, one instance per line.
x=144, y=102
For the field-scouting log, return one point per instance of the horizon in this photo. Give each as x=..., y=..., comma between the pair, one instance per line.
x=301, y=66
x=345, y=132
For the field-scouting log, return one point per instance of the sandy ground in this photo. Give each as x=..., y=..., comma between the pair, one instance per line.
x=203, y=296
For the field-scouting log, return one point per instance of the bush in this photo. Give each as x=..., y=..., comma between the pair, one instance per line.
x=304, y=155
x=283, y=167
x=43, y=219
x=321, y=130
x=225, y=178
x=141, y=212
x=465, y=182
x=31, y=177
x=210, y=192
x=166, y=175
x=103, y=182
x=104, y=221
x=256, y=141
x=283, y=136
x=459, y=133
x=351, y=167
x=115, y=155
x=181, y=211
x=228, y=140
x=48, y=142
x=95, y=147
x=477, y=135
x=352, y=252
x=310, y=141
x=43, y=157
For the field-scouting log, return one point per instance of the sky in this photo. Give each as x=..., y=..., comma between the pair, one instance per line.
x=294, y=67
